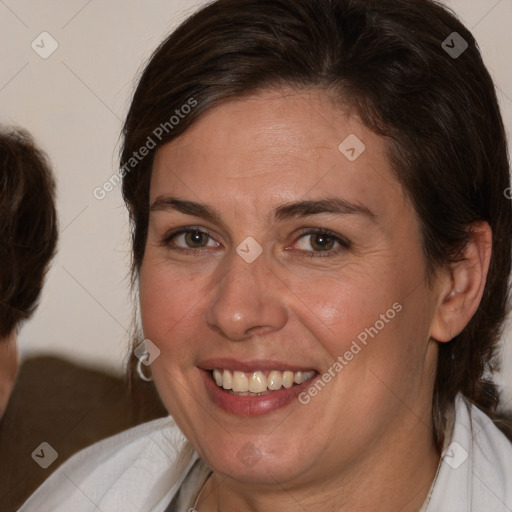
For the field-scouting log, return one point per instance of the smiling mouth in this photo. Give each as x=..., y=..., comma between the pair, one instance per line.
x=258, y=383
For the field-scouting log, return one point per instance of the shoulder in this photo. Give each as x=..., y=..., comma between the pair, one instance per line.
x=129, y=471
x=476, y=467
x=492, y=461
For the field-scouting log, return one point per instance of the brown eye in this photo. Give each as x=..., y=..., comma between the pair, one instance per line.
x=195, y=239
x=322, y=242
x=189, y=239
x=317, y=242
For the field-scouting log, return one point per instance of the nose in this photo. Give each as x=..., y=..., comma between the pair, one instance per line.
x=249, y=300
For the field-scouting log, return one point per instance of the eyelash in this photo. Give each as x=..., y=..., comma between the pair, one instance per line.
x=343, y=243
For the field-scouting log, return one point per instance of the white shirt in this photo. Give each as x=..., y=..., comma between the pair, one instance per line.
x=131, y=471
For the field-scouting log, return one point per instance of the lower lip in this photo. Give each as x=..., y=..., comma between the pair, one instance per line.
x=252, y=405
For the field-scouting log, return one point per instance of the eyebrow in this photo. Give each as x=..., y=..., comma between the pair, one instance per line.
x=294, y=209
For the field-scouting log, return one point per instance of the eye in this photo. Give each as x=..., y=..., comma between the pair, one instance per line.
x=189, y=239
x=321, y=241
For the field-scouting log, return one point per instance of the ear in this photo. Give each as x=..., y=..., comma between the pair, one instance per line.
x=462, y=285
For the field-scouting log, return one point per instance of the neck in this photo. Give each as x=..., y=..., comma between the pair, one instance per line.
x=8, y=368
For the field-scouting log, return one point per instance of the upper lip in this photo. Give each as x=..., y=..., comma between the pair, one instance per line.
x=250, y=366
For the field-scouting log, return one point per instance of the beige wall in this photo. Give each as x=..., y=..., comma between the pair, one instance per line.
x=74, y=102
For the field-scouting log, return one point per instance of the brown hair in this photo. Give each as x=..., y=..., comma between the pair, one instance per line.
x=28, y=226
x=386, y=59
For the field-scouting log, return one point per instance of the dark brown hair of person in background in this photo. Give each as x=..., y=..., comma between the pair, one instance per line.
x=28, y=238
x=439, y=116
x=28, y=226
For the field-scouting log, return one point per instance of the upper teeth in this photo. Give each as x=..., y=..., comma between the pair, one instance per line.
x=258, y=382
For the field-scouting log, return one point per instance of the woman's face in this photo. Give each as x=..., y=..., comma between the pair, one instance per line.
x=272, y=249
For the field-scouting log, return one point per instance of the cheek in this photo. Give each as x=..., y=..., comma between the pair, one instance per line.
x=168, y=302
x=376, y=331
x=338, y=310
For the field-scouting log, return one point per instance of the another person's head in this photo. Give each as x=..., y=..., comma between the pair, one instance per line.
x=368, y=162
x=28, y=237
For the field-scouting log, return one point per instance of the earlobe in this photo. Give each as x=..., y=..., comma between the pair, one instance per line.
x=462, y=286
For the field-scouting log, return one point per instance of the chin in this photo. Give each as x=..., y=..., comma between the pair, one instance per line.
x=261, y=461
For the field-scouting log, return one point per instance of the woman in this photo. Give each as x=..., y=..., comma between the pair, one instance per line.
x=321, y=246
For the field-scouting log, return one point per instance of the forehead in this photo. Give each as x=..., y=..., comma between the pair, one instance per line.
x=275, y=146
